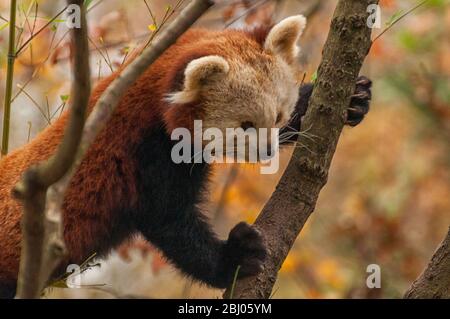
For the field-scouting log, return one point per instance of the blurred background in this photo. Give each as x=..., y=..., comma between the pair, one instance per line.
x=387, y=201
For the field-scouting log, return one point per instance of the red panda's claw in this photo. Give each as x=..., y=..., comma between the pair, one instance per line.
x=360, y=101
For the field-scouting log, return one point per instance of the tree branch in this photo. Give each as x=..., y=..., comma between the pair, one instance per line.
x=294, y=199
x=434, y=282
x=41, y=237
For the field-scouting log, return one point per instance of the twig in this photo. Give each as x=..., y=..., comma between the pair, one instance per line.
x=30, y=124
x=33, y=101
x=20, y=49
x=107, y=60
x=151, y=13
x=51, y=50
x=94, y=5
x=233, y=285
x=398, y=19
x=37, y=69
x=167, y=15
x=245, y=13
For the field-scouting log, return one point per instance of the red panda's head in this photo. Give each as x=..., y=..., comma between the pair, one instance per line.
x=240, y=82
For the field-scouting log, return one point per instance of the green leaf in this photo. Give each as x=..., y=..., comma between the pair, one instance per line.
x=233, y=285
x=443, y=90
x=314, y=77
x=3, y=26
x=64, y=98
x=59, y=284
x=416, y=44
x=409, y=41
x=394, y=17
x=437, y=3
x=55, y=20
x=87, y=3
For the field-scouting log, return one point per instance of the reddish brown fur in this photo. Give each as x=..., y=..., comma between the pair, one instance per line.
x=107, y=169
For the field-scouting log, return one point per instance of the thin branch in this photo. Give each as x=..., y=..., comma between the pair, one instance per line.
x=399, y=18
x=41, y=65
x=32, y=36
x=107, y=60
x=52, y=48
x=151, y=13
x=95, y=5
x=245, y=13
x=167, y=15
x=9, y=78
x=33, y=101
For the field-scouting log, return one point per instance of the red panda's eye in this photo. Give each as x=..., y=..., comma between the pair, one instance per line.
x=246, y=125
x=279, y=117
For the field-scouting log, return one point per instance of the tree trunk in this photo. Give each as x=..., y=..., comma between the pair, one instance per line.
x=294, y=199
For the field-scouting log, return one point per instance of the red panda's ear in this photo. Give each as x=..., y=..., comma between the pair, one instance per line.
x=282, y=39
x=198, y=72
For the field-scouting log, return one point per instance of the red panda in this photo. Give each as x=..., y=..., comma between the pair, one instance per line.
x=128, y=184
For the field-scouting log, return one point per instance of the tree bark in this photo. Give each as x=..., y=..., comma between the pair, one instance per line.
x=294, y=199
x=434, y=282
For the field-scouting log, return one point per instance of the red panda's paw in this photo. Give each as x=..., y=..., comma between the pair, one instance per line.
x=245, y=248
x=360, y=102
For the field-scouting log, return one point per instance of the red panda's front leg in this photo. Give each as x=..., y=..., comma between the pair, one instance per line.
x=169, y=217
x=193, y=247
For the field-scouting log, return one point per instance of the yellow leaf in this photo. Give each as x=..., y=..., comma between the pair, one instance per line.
x=290, y=263
x=330, y=271
x=327, y=268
